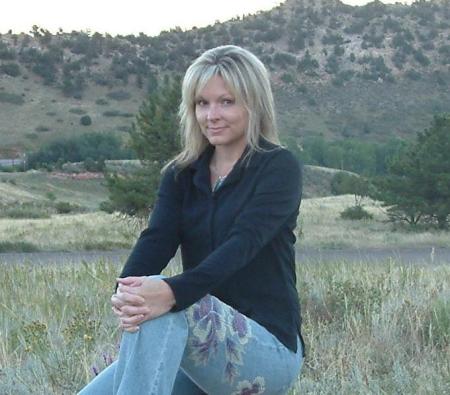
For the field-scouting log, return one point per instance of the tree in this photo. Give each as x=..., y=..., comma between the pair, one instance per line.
x=417, y=187
x=347, y=183
x=154, y=138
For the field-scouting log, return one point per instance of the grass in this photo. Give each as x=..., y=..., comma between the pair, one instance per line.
x=35, y=186
x=369, y=329
x=319, y=226
x=71, y=232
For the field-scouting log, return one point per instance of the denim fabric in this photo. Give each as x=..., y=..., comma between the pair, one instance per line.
x=208, y=348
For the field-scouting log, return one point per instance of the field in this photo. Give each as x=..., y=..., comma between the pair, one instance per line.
x=319, y=227
x=369, y=329
x=381, y=328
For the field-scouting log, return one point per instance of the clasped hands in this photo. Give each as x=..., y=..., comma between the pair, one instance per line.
x=139, y=299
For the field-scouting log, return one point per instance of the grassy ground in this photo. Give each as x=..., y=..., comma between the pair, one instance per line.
x=88, y=231
x=42, y=187
x=369, y=329
x=319, y=227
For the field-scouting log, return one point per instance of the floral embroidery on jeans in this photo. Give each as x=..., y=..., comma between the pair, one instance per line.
x=240, y=326
x=247, y=388
x=208, y=329
x=212, y=325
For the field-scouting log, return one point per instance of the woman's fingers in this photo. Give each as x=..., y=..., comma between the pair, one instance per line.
x=134, y=310
x=123, y=298
x=132, y=320
x=131, y=281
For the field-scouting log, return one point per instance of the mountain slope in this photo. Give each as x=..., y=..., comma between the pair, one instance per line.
x=369, y=72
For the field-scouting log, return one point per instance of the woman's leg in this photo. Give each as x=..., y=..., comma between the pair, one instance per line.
x=228, y=353
x=101, y=384
x=218, y=348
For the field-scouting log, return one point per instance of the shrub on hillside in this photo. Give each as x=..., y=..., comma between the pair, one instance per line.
x=11, y=98
x=11, y=69
x=25, y=210
x=119, y=95
x=67, y=208
x=355, y=213
x=85, y=120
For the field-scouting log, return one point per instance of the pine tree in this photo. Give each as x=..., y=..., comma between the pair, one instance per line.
x=417, y=187
x=154, y=138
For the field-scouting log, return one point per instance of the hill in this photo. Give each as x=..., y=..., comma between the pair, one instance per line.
x=338, y=71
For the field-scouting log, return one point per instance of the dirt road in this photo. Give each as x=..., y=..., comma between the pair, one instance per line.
x=412, y=255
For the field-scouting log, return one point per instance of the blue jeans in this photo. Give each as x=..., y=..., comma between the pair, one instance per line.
x=208, y=348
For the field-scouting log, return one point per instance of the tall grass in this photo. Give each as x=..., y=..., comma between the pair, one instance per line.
x=369, y=329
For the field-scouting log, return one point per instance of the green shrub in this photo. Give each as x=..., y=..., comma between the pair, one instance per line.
x=41, y=129
x=24, y=210
x=355, y=213
x=11, y=69
x=17, y=246
x=11, y=98
x=111, y=113
x=102, y=102
x=78, y=111
x=85, y=120
x=94, y=165
x=66, y=208
x=119, y=95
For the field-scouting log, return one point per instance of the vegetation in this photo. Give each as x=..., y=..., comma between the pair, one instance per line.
x=369, y=86
x=417, y=187
x=154, y=138
x=379, y=328
x=320, y=227
x=76, y=149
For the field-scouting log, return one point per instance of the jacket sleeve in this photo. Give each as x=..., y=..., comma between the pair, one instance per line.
x=159, y=242
x=275, y=200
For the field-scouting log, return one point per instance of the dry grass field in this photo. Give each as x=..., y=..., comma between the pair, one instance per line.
x=369, y=329
x=319, y=227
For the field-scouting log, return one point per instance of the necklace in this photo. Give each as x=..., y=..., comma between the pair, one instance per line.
x=218, y=174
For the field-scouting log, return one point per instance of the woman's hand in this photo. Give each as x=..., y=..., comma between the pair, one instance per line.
x=139, y=299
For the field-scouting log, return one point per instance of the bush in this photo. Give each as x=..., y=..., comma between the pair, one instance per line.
x=78, y=111
x=41, y=129
x=79, y=148
x=119, y=95
x=11, y=98
x=94, y=165
x=25, y=210
x=18, y=246
x=11, y=69
x=66, y=208
x=85, y=120
x=102, y=102
x=355, y=213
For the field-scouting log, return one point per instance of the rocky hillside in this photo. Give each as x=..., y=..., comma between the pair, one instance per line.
x=339, y=71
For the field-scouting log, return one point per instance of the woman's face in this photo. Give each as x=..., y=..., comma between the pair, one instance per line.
x=222, y=119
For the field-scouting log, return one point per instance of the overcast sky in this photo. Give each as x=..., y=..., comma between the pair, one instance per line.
x=127, y=16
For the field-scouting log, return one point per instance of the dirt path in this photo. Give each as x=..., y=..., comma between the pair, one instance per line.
x=411, y=255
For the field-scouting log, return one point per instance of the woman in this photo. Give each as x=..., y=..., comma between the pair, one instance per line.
x=230, y=323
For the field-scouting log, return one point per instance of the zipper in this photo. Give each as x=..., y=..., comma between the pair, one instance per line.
x=211, y=219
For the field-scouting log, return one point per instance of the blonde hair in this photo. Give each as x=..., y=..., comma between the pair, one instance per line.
x=247, y=78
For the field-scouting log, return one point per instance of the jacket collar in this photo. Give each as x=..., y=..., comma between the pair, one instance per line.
x=200, y=167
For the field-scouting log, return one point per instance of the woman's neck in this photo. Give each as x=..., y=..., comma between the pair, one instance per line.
x=223, y=159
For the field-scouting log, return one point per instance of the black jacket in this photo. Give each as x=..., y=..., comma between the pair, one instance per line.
x=236, y=244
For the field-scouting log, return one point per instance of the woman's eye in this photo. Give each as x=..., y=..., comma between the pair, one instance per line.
x=201, y=102
x=227, y=102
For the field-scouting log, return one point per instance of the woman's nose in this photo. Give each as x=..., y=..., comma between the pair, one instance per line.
x=213, y=112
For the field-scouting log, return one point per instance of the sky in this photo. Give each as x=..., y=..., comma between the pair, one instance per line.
x=128, y=16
